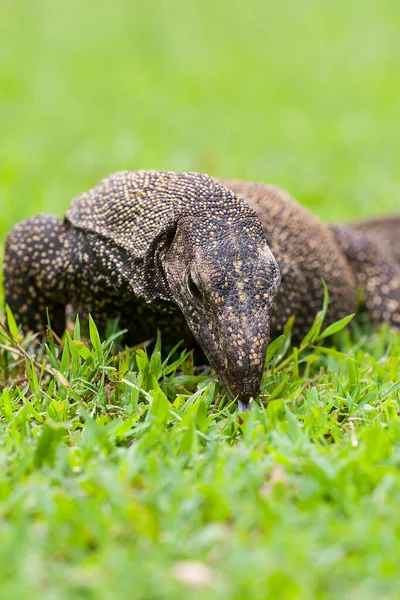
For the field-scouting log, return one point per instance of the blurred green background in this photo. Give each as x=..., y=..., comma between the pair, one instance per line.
x=303, y=499
x=303, y=94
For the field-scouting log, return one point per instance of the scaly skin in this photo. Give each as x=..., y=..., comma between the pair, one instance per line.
x=193, y=256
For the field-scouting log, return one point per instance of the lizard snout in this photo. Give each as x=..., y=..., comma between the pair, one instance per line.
x=242, y=339
x=243, y=373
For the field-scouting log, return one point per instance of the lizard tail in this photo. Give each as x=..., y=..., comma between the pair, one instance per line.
x=372, y=249
x=384, y=232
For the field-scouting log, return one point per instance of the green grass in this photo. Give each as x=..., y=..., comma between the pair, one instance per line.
x=126, y=475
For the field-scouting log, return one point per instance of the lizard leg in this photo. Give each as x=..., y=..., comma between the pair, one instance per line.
x=376, y=272
x=34, y=273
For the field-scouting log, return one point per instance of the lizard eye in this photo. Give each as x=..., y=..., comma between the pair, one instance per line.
x=192, y=287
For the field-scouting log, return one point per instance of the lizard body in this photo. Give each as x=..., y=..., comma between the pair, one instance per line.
x=227, y=262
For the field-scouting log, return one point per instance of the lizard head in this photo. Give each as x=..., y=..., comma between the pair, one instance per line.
x=224, y=278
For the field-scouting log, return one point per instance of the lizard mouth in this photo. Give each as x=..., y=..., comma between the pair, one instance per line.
x=243, y=406
x=243, y=384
